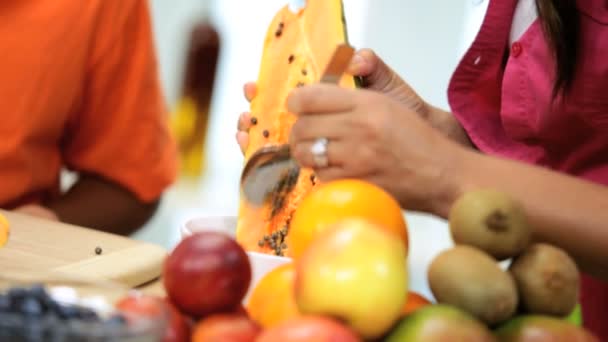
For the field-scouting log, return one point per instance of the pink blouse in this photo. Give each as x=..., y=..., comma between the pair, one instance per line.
x=501, y=94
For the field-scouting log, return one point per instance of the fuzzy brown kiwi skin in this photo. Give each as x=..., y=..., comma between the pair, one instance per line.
x=547, y=280
x=491, y=221
x=468, y=278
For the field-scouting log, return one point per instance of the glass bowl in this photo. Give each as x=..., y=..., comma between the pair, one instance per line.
x=55, y=307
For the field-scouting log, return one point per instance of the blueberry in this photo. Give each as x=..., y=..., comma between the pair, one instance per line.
x=116, y=321
x=88, y=315
x=5, y=303
x=67, y=311
x=49, y=305
x=38, y=291
x=31, y=307
x=33, y=333
x=16, y=294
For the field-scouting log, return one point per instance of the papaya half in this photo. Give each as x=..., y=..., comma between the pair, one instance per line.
x=297, y=48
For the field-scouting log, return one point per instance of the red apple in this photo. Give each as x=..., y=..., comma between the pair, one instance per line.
x=208, y=272
x=137, y=306
x=226, y=327
x=309, y=328
x=179, y=328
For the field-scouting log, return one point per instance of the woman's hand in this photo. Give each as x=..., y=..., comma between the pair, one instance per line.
x=375, y=137
x=376, y=76
x=244, y=123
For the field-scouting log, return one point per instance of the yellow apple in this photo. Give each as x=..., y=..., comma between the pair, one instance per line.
x=357, y=272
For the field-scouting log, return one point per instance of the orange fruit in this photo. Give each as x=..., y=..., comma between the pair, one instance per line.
x=336, y=200
x=272, y=300
x=4, y=230
x=414, y=302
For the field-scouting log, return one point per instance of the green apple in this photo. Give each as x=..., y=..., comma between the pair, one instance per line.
x=357, y=272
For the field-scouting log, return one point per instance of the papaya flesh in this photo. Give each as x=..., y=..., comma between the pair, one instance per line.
x=297, y=48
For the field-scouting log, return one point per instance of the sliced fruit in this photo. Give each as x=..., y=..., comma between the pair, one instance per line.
x=297, y=48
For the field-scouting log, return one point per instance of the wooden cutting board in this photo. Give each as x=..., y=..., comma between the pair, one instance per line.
x=36, y=246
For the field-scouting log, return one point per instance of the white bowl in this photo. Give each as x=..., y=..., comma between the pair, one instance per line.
x=260, y=263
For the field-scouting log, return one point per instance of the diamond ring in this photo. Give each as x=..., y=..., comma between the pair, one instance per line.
x=319, y=152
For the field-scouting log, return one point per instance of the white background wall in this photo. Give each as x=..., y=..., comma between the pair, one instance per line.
x=421, y=39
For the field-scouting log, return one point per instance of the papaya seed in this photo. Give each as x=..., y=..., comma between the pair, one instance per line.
x=291, y=58
x=254, y=120
x=279, y=30
x=265, y=133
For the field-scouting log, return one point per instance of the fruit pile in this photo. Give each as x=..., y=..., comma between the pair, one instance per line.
x=527, y=300
x=347, y=282
x=348, y=279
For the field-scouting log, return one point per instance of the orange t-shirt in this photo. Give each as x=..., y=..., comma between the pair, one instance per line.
x=79, y=88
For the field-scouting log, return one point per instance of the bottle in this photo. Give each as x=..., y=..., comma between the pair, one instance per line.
x=190, y=120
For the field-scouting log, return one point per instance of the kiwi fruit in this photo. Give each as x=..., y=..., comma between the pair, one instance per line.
x=468, y=278
x=491, y=221
x=547, y=280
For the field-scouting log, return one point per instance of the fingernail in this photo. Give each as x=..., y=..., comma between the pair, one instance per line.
x=357, y=60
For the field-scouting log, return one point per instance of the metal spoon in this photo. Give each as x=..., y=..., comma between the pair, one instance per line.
x=269, y=165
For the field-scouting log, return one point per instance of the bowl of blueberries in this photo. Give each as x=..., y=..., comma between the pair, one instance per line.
x=57, y=309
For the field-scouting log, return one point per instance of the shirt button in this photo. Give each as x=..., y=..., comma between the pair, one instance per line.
x=516, y=49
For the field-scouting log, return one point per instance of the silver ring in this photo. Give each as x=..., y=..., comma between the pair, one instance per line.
x=319, y=152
